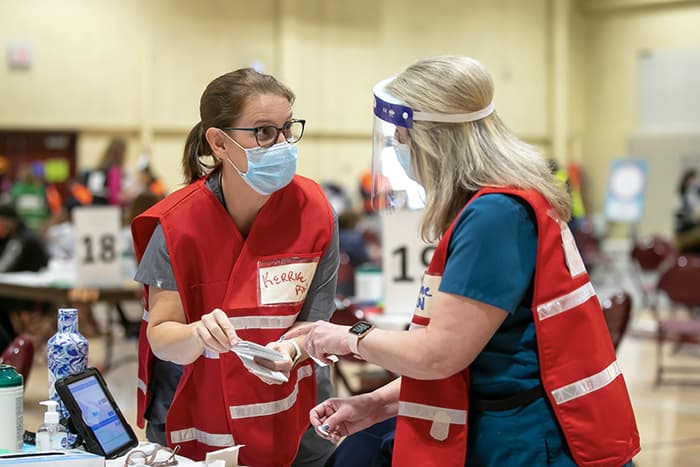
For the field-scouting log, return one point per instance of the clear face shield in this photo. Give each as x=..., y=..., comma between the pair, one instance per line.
x=394, y=183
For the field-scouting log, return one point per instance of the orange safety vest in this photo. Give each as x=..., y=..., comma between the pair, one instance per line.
x=81, y=193
x=157, y=188
x=375, y=191
x=53, y=198
x=260, y=282
x=579, y=371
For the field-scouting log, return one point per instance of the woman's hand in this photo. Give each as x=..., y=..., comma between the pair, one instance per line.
x=287, y=349
x=322, y=339
x=337, y=417
x=215, y=332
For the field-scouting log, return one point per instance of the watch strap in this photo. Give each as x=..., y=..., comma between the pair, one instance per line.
x=353, y=341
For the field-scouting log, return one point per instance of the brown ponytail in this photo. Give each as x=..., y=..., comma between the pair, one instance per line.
x=191, y=166
x=221, y=106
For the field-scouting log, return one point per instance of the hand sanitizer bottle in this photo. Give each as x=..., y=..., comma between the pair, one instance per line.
x=50, y=435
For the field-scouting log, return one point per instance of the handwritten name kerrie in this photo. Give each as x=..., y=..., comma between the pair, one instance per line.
x=285, y=283
x=277, y=279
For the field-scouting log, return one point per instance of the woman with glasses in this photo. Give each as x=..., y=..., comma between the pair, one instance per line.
x=245, y=252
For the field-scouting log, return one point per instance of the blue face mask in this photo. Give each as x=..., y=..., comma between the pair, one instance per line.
x=269, y=169
x=403, y=154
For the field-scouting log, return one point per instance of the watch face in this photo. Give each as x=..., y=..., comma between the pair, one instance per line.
x=360, y=328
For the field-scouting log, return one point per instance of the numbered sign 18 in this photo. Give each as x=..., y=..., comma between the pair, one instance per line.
x=404, y=259
x=97, y=246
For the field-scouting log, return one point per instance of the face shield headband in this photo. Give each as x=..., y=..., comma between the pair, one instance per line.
x=392, y=110
x=393, y=180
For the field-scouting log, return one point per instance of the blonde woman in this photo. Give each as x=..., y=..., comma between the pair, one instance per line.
x=508, y=360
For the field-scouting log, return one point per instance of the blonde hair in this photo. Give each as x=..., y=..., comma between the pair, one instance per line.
x=455, y=160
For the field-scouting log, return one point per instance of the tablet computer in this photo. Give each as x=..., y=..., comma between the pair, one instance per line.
x=95, y=415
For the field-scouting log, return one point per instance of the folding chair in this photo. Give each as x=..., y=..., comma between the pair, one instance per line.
x=616, y=310
x=681, y=284
x=346, y=276
x=598, y=263
x=650, y=257
x=20, y=354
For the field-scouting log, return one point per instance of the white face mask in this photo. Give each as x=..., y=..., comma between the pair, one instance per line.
x=269, y=169
x=403, y=154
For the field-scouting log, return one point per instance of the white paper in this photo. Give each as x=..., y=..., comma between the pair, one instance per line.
x=247, y=351
x=252, y=349
x=227, y=456
x=260, y=370
x=331, y=357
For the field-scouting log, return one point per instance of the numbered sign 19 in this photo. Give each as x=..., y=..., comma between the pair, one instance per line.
x=97, y=246
x=404, y=259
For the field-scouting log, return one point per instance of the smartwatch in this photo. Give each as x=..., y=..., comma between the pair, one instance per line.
x=358, y=331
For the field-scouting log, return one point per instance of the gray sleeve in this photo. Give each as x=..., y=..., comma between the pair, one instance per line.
x=10, y=255
x=320, y=301
x=155, y=268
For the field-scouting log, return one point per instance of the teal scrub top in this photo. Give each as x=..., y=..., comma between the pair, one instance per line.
x=491, y=259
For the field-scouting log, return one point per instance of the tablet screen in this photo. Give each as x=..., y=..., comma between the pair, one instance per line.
x=99, y=414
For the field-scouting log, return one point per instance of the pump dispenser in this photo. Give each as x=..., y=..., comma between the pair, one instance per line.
x=50, y=435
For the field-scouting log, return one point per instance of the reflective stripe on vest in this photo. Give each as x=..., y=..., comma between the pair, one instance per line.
x=431, y=412
x=565, y=302
x=270, y=408
x=254, y=322
x=587, y=385
x=141, y=385
x=441, y=417
x=263, y=322
x=193, y=434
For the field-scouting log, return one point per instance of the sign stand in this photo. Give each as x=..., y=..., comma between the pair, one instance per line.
x=97, y=246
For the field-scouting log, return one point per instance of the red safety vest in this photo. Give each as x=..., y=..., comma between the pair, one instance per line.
x=261, y=283
x=579, y=372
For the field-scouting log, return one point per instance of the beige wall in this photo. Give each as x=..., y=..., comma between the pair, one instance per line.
x=138, y=68
x=615, y=37
x=577, y=83
x=132, y=67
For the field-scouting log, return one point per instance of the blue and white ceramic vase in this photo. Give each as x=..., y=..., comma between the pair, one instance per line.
x=67, y=352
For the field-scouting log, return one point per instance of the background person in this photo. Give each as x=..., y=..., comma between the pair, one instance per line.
x=105, y=181
x=353, y=244
x=29, y=198
x=247, y=250
x=144, y=181
x=687, y=213
x=20, y=250
x=506, y=265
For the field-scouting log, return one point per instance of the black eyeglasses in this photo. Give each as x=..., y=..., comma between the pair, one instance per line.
x=267, y=135
x=141, y=458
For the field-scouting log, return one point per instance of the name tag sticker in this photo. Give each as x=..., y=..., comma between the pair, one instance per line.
x=428, y=289
x=284, y=281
